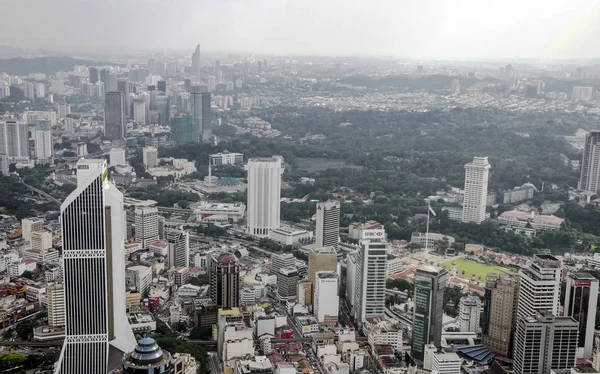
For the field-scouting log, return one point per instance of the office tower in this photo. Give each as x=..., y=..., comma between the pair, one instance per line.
x=539, y=287
x=544, y=342
x=179, y=248
x=116, y=156
x=327, y=231
x=287, y=283
x=150, y=157
x=63, y=110
x=28, y=90
x=40, y=91
x=430, y=282
x=264, y=195
x=43, y=145
x=148, y=357
x=211, y=83
x=321, y=259
x=146, y=225
x=206, y=115
x=371, y=274
x=93, y=75
x=476, y=183
x=123, y=87
x=55, y=296
x=161, y=86
x=114, y=115
x=92, y=220
x=29, y=226
x=499, y=312
x=281, y=260
x=327, y=302
x=139, y=111
x=14, y=139
x=184, y=130
x=304, y=293
x=162, y=106
x=581, y=298
x=590, y=163
x=469, y=312
x=196, y=63
x=224, y=275
x=200, y=100
x=40, y=241
x=582, y=93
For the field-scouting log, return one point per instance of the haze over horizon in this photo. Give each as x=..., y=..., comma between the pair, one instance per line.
x=428, y=29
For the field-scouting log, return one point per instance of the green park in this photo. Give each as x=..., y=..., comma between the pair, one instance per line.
x=474, y=268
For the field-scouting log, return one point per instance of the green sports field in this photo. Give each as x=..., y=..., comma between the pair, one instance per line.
x=471, y=267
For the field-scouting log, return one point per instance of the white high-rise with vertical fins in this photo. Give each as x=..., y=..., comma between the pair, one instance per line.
x=92, y=219
x=264, y=195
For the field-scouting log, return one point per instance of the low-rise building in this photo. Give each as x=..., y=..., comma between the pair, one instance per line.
x=289, y=235
x=520, y=219
x=220, y=212
x=431, y=240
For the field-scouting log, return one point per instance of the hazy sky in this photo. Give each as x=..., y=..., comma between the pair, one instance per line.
x=403, y=28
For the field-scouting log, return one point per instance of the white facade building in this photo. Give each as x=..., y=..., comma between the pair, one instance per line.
x=590, y=163
x=30, y=225
x=116, y=156
x=150, y=157
x=95, y=318
x=327, y=232
x=289, y=235
x=326, y=300
x=146, y=225
x=226, y=158
x=264, y=195
x=220, y=212
x=539, y=286
x=43, y=145
x=476, y=185
x=55, y=295
x=371, y=275
x=179, y=248
x=469, y=314
x=41, y=240
x=14, y=139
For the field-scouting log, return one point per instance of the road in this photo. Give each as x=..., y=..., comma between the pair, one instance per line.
x=215, y=363
x=40, y=192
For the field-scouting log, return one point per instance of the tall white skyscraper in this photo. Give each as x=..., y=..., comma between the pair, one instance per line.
x=14, y=139
x=146, y=225
x=43, y=145
x=179, y=248
x=264, y=195
x=371, y=274
x=590, y=163
x=327, y=231
x=539, y=287
x=326, y=300
x=92, y=219
x=476, y=185
x=581, y=298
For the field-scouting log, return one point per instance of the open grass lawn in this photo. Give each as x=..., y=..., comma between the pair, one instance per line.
x=471, y=267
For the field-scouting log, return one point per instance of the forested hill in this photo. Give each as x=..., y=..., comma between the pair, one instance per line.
x=47, y=65
x=428, y=82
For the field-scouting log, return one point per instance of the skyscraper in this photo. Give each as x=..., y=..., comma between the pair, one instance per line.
x=321, y=259
x=430, y=282
x=281, y=260
x=200, y=101
x=184, y=130
x=326, y=300
x=544, y=342
x=476, y=185
x=499, y=313
x=179, y=248
x=328, y=224
x=590, y=163
x=371, y=275
x=92, y=219
x=55, y=295
x=123, y=87
x=539, y=287
x=146, y=225
x=114, y=115
x=43, y=145
x=150, y=157
x=14, y=139
x=93, y=74
x=264, y=195
x=196, y=63
x=287, y=283
x=469, y=313
x=581, y=298
x=224, y=274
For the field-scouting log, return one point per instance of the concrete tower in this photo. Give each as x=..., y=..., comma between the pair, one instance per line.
x=264, y=195
x=476, y=185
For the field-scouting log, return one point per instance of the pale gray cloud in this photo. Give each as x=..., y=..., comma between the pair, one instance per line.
x=405, y=28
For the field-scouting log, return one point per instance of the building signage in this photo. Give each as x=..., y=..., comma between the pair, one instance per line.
x=373, y=234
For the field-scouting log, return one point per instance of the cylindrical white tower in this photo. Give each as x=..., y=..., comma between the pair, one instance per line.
x=264, y=195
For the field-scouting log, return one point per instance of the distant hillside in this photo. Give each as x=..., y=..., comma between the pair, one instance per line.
x=47, y=65
x=428, y=82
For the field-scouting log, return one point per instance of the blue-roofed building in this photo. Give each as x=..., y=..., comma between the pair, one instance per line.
x=228, y=181
x=478, y=353
x=148, y=358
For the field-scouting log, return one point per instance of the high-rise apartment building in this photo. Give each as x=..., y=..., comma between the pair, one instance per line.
x=430, y=282
x=287, y=283
x=116, y=156
x=499, y=313
x=327, y=230
x=196, y=67
x=544, y=342
x=469, y=314
x=581, y=298
x=581, y=93
x=114, y=115
x=224, y=275
x=476, y=185
x=14, y=139
x=55, y=296
x=281, y=260
x=321, y=259
x=92, y=219
x=264, y=195
x=539, y=287
x=146, y=225
x=371, y=275
x=589, y=179
x=150, y=157
x=43, y=145
x=327, y=302
x=40, y=241
x=179, y=248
